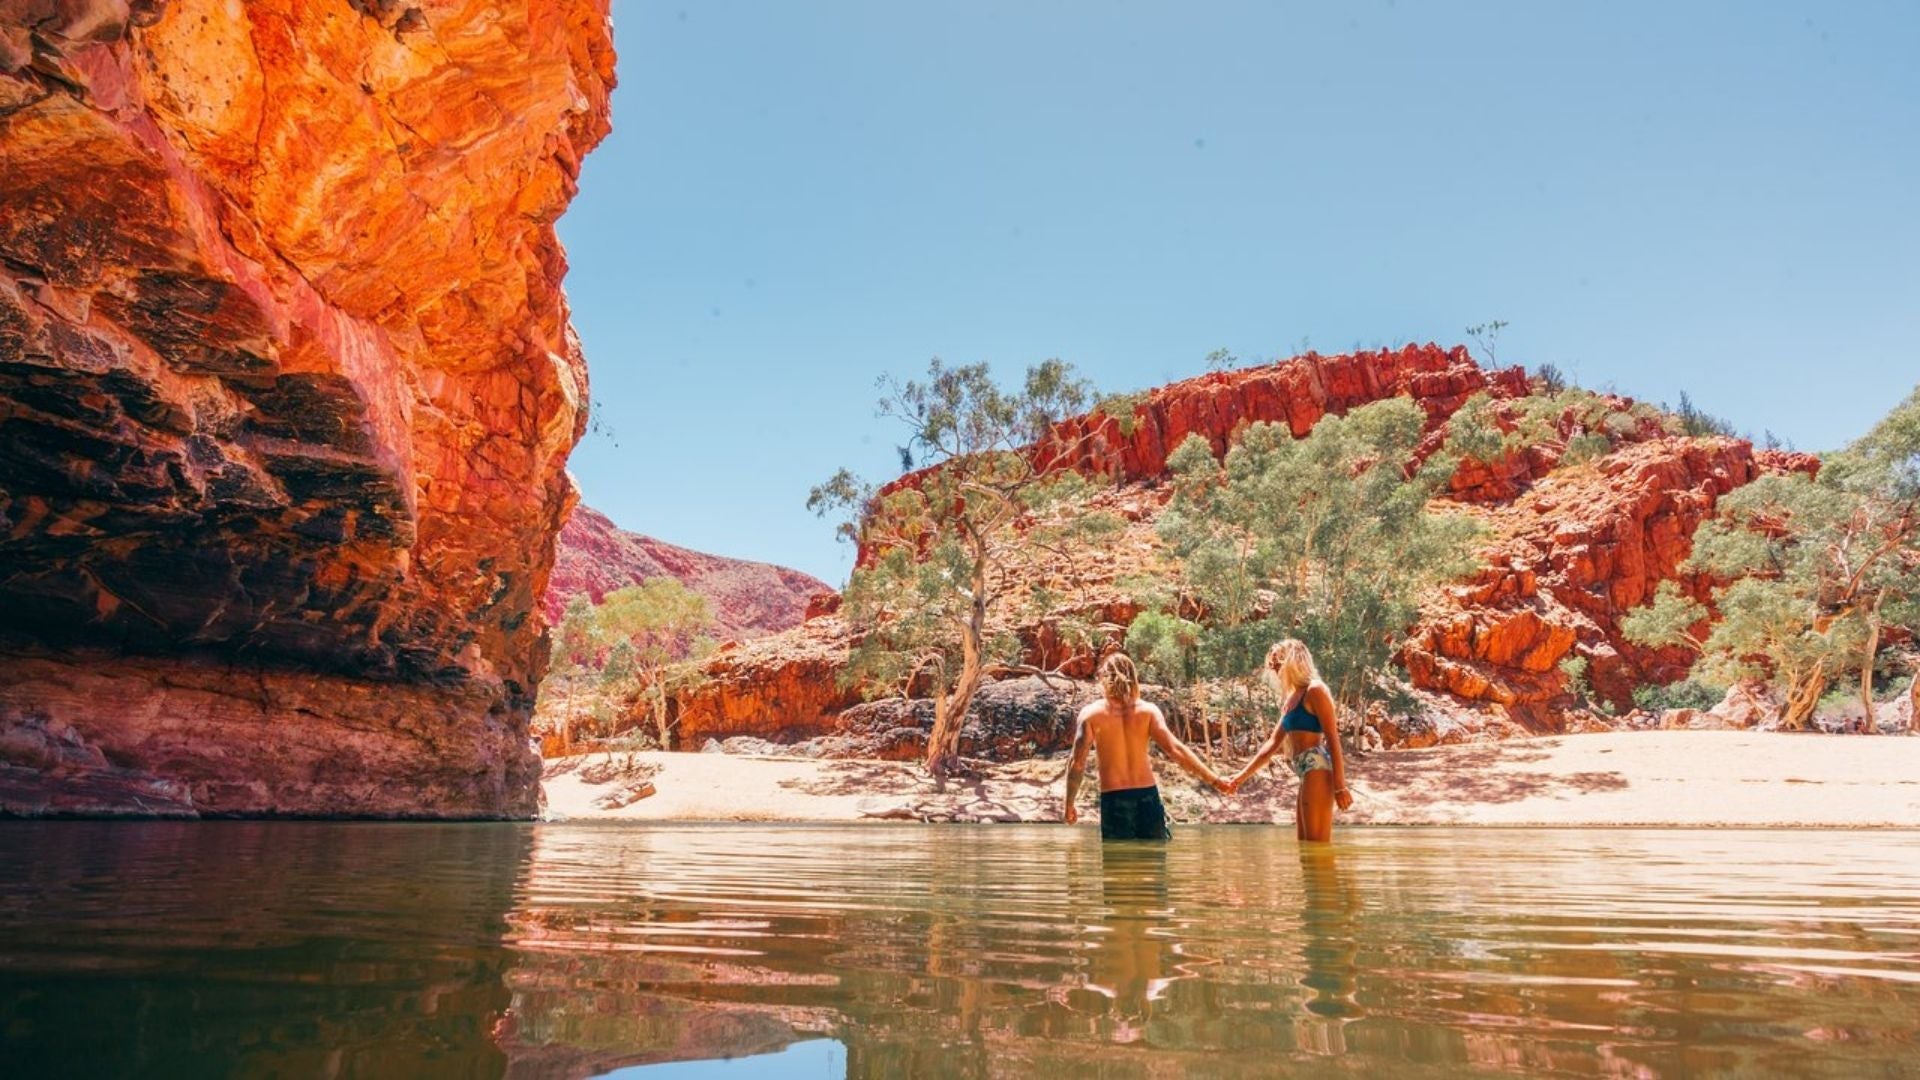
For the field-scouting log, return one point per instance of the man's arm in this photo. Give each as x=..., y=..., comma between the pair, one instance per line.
x=1180, y=752
x=1077, y=767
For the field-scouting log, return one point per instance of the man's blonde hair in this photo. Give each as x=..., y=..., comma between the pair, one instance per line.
x=1118, y=679
x=1289, y=666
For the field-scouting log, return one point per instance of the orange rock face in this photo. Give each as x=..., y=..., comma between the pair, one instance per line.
x=1297, y=393
x=288, y=388
x=1568, y=559
x=784, y=684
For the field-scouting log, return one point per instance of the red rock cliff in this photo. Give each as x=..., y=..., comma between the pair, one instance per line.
x=288, y=390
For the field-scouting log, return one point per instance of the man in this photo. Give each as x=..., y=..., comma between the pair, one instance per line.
x=1119, y=726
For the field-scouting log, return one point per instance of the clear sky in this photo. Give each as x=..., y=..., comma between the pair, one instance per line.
x=1711, y=197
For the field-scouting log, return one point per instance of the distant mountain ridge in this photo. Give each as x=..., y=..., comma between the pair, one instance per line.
x=749, y=599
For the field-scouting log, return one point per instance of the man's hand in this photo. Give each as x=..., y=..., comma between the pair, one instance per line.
x=1072, y=814
x=1224, y=787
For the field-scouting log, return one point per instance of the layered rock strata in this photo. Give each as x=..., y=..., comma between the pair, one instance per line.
x=287, y=386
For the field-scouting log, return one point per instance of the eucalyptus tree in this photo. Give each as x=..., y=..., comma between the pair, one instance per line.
x=1812, y=573
x=986, y=528
x=1328, y=538
x=660, y=629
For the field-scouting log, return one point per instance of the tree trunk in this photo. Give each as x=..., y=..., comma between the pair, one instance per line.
x=1803, y=697
x=659, y=696
x=1866, y=667
x=943, y=744
x=1913, y=703
x=566, y=720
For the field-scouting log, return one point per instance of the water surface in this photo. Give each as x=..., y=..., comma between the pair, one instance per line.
x=283, y=949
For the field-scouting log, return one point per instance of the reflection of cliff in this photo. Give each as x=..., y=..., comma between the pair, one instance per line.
x=286, y=391
x=244, y=949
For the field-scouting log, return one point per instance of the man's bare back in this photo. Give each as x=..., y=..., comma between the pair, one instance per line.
x=1120, y=730
x=1119, y=735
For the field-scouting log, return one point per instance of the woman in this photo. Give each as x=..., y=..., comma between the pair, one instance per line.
x=1309, y=734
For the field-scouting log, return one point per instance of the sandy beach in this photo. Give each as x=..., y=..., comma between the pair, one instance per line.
x=1663, y=778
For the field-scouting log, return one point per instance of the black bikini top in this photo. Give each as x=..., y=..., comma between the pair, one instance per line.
x=1301, y=718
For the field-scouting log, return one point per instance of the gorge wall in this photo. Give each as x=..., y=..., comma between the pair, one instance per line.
x=287, y=386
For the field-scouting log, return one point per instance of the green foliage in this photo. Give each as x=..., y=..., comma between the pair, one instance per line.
x=1668, y=620
x=1816, y=571
x=1696, y=421
x=619, y=668
x=1685, y=694
x=1166, y=647
x=645, y=636
x=1583, y=424
x=1325, y=538
x=1586, y=447
x=577, y=641
x=942, y=554
x=1574, y=668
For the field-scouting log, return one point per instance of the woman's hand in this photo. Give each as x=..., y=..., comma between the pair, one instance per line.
x=1343, y=797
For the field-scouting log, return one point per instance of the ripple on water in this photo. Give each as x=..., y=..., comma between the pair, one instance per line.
x=567, y=950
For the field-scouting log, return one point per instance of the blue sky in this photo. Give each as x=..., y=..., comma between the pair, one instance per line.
x=1711, y=197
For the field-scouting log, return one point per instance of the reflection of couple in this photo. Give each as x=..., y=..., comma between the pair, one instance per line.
x=1120, y=726
x=1136, y=953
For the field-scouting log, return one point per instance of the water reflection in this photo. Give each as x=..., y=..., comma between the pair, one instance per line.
x=254, y=949
x=561, y=951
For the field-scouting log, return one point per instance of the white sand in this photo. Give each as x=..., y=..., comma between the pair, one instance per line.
x=1672, y=778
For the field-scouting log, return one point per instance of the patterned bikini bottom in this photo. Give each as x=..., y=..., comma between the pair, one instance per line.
x=1313, y=757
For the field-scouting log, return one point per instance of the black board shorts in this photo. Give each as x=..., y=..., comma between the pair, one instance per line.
x=1133, y=814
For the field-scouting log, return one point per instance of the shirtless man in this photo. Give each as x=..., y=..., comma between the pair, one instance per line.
x=1119, y=726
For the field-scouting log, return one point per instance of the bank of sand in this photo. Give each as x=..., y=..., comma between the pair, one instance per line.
x=1659, y=778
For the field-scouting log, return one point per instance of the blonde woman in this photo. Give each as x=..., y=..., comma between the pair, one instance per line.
x=1119, y=727
x=1309, y=735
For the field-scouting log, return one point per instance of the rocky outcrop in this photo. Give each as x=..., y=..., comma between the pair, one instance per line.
x=1571, y=547
x=286, y=390
x=1566, y=561
x=1296, y=392
x=784, y=686
x=748, y=599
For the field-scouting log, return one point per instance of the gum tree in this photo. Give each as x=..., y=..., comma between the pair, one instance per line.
x=663, y=625
x=1815, y=572
x=986, y=528
x=1328, y=538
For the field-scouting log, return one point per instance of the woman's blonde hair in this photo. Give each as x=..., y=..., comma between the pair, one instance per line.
x=1118, y=679
x=1289, y=666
